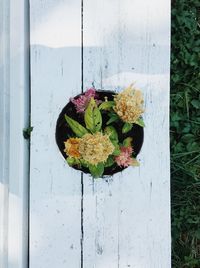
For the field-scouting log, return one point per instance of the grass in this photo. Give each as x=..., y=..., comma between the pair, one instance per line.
x=185, y=133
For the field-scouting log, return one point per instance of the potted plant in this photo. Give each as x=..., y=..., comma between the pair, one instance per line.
x=101, y=132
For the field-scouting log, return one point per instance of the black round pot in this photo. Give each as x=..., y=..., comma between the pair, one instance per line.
x=63, y=131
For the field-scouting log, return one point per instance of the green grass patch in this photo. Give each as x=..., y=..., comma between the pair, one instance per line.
x=185, y=133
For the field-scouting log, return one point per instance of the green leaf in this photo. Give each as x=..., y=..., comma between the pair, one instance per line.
x=27, y=132
x=77, y=128
x=193, y=146
x=140, y=122
x=117, y=148
x=106, y=105
x=96, y=170
x=72, y=161
x=195, y=104
x=84, y=163
x=110, y=161
x=93, y=118
x=127, y=142
x=113, y=118
x=116, y=151
x=127, y=127
x=111, y=131
x=188, y=138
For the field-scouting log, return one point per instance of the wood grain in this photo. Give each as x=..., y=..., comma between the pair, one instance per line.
x=14, y=116
x=127, y=218
x=55, y=188
x=123, y=221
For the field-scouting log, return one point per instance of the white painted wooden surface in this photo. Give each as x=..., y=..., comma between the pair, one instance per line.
x=55, y=189
x=14, y=116
x=78, y=222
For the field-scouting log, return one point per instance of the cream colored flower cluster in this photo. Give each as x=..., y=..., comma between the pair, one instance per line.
x=129, y=104
x=93, y=148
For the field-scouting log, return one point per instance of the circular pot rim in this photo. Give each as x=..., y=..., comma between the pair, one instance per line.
x=137, y=132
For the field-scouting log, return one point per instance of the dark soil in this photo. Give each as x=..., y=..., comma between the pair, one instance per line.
x=63, y=132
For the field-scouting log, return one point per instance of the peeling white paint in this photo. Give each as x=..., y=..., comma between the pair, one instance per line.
x=126, y=220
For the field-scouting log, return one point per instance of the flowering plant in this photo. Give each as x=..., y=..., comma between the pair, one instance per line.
x=101, y=126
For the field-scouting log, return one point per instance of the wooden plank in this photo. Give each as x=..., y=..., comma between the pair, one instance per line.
x=14, y=116
x=4, y=141
x=55, y=188
x=127, y=218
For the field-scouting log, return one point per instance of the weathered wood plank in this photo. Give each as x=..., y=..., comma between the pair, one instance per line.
x=4, y=141
x=127, y=219
x=55, y=188
x=14, y=116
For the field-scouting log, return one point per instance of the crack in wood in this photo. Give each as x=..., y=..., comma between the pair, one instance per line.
x=82, y=229
x=82, y=184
